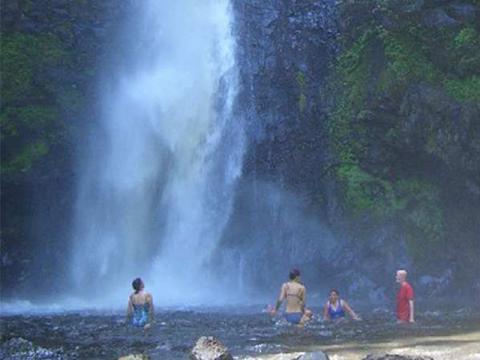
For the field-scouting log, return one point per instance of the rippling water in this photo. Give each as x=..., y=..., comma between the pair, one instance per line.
x=246, y=331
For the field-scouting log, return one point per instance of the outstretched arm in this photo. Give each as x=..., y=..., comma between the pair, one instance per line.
x=412, y=311
x=350, y=311
x=325, y=312
x=129, y=308
x=280, y=299
x=303, y=298
x=151, y=312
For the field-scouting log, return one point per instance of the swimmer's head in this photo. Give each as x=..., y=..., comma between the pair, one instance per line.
x=334, y=295
x=137, y=285
x=294, y=273
x=401, y=275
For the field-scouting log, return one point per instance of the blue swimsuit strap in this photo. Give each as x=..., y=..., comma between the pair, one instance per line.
x=338, y=308
x=145, y=304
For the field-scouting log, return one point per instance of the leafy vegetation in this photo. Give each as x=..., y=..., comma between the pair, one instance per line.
x=384, y=55
x=29, y=114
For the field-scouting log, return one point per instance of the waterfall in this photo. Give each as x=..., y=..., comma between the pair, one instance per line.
x=157, y=188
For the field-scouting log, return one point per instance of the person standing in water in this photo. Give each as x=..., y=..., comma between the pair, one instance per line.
x=140, y=306
x=405, y=296
x=294, y=293
x=335, y=308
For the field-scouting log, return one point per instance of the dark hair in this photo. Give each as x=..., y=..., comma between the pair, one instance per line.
x=335, y=291
x=137, y=285
x=294, y=273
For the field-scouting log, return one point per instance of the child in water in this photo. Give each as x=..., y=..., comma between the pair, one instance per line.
x=140, y=306
x=335, y=308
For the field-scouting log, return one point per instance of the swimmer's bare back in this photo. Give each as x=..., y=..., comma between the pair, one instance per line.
x=294, y=294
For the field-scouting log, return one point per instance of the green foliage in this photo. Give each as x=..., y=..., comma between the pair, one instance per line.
x=378, y=64
x=353, y=71
x=364, y=191
x=29, y=114
x=25, y=158
x=423, y=217
x=464, y=89
x=406, y=60
x=302, y=98
x=464, y=52
x=23, y=59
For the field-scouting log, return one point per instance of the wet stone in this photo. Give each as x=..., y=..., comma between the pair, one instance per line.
x=210, y=348
x=19, y=348
x=396, y=357
x=135, y=357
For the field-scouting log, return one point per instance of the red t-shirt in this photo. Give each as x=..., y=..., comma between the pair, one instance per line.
x=405, y=294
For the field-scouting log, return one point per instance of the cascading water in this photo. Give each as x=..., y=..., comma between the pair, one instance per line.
x=158, y=186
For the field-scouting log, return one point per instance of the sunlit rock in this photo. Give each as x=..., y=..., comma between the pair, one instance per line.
x=135, y=357
x=209, y=348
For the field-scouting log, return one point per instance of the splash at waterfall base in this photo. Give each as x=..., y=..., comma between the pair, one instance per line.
x=445, y=335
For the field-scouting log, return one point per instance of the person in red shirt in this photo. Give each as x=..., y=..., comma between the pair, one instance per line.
x=405, y=309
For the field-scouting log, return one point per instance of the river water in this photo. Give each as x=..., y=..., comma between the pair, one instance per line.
x=248, y=332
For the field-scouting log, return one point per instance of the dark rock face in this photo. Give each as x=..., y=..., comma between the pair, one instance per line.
x=451, y=125
x=438, y=18
x=284, y=50
x=209, y=348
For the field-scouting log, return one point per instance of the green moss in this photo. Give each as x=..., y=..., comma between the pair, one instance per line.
x=23, y=59
x=29, y=113
x=464, y=89
x=362, y=190
x=353, y=70
x=302, y=102
x=467, y=37
x=406, y=60
x=25, y=158
x=423, y=217
x=301, y=81
x=464, y=52
x=302, y=98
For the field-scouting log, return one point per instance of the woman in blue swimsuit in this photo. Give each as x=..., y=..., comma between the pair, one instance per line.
x=335, y=308
x=140, y=306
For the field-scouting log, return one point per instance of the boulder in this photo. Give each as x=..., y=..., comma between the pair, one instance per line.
x=316, y=355
x=135, y=357
x=210, y=348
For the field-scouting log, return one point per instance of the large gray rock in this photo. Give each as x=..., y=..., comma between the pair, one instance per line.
x=316, y=355
x=135, y=357
x=210, y=348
